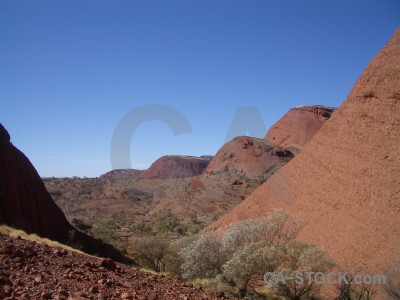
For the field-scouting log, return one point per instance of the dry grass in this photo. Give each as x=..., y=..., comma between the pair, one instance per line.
x=12, y=232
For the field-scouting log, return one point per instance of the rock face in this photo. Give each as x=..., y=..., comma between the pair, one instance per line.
x=175, y=166
x=122, y=174
x=24, y=200
x=346, y=181
x=298, y=126
x=250, y=157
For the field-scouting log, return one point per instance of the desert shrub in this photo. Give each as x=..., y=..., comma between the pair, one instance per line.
x=203, y=258
x=348, y=291
x=106, y=230
x=140, y=194
x=276, y=229
x=247, y=266
x=141, y=229
x=392, y=287
x=81, y=225
x=173, y=260
x=150, y=252
x=171, y=224
x=301, y=257
x=241, y=255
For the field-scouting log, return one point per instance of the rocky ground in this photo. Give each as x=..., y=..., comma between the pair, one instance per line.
x=30, y=270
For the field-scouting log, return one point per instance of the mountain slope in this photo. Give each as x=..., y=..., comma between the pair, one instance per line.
x=345, y=184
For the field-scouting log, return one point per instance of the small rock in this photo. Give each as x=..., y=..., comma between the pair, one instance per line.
x=125, y=295
x=94, y=290
x=24, y=296
x=64, y=292
x=220, y=294
x=46, y=295
x=109, y=264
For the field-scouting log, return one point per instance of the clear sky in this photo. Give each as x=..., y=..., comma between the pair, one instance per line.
x=71, y=69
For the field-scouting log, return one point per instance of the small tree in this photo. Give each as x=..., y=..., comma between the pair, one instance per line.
x=150, y=252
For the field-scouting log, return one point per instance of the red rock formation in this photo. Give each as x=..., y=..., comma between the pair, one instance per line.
x=24, y=200
x=249, y=156
x=298, y=126
x=175, y=166
x=122, y=174
x=346, y=181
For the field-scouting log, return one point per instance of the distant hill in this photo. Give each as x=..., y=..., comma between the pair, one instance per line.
x=122, y=174
x=250, y=157
x=176, y=166
x=298, y=126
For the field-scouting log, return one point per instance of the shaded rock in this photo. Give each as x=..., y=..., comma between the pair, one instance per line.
x=109, y=264
x=24, y=200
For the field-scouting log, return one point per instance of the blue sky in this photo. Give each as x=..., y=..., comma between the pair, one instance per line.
x=71, y=69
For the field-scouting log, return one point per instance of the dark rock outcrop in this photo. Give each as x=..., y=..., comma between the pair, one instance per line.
x=26, y=204
x=24, y=200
